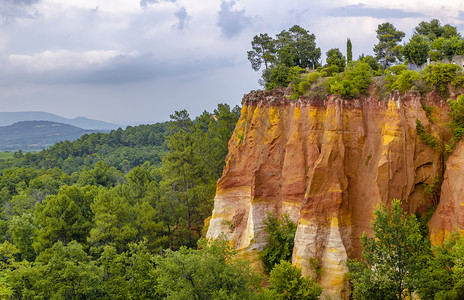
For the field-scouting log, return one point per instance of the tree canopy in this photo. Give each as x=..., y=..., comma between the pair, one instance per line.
x=387, y=50
x=295, y=47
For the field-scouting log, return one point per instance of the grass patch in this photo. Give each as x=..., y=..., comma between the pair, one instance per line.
x=6, y=155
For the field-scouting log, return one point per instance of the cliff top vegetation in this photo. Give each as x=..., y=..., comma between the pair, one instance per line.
x=293, y=59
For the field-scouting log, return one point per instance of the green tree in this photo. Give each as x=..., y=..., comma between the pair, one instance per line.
x=354, y=81
x=22, y=230
x=336, y=58
x=387, y=51
x=286, y=282
x=444, y=276
x=392, y=259
x=64, y=217
x=129, y=275
x=208, y=273
x=433, y=30
x=372, y=62
x=280, y=240
x=349, y=51
x=416, y=50
x=180, y=170
x=68, y=273
x=263, y=52
x=447, y=47
x=297, y=47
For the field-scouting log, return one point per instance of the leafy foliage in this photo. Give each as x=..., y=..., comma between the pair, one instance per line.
x=387, y=51
x=372, y=62
x=335, y=58
x=122, y=149
x=444, y=274
x=432, y=191
x=263, y=51
x=457, y=120
x=208, y=273
x=354, y=81
x=433, y=30
x=416, y=50
x=294, y=47
x=440, y=75
x=392, y=258
x=400, y=79
x=91, y=232
x=286, y=282
x=426, y=137
x=280, y=240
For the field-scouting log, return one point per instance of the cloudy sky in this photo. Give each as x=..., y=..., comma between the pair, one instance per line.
x=127, y=61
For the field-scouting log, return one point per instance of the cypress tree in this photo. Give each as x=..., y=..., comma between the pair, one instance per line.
x=349, y=52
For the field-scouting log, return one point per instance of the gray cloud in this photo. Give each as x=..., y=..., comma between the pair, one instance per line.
x=121, y=69
x=145, y=3
x=10, y=10
x=183, y=18
x=231, y=22
x=363, y=10
x=19, y=2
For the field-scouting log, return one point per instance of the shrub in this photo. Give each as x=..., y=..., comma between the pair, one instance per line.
x=440, y=75
x=402, y=81
x=426, y=137
x=339, y=86
x=397, y=70
x=286, y=282
x=457, y=120
x=301, y=86
x=331, y=70
x=432, y=191
x=354, y=81
x=277, y=76
x=280, y=240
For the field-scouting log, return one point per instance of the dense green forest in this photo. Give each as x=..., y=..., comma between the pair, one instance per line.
x=121, y=215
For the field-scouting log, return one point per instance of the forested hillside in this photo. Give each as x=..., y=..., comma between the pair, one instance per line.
x=102, y=199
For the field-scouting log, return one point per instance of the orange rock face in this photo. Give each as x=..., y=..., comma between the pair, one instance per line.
x=327, y=164
x=449, y=215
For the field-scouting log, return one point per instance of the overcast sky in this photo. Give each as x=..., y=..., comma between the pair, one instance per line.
x=127, y=61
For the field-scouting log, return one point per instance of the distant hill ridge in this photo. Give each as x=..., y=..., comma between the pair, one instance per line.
x=37, y=135
x=9, y=118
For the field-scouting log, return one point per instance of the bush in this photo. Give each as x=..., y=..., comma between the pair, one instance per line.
x=331, y=70
x=440, y=75
x=302, y=86
x=397, y=70
x=280, y=240
x=277, y=76
x=288, y=283
x=426, y=137
x=457, y=120
x=354, y=81
x=402, y=81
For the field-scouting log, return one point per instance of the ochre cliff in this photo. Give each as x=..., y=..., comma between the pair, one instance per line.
x=449, y=215
x=327, y=163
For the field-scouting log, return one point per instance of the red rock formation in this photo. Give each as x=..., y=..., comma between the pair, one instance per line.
x=327, y=163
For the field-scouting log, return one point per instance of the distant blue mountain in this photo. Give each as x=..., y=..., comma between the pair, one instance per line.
x=37, y=135
x=9, y=118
